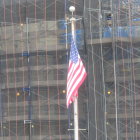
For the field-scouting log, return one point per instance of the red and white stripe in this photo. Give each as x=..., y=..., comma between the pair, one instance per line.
x=76, y=76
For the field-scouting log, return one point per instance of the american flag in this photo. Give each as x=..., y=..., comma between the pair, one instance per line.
x=76, y=74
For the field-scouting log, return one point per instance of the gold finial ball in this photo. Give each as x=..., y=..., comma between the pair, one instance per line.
x=17, y=94
x=21, y=24
x=109, y=92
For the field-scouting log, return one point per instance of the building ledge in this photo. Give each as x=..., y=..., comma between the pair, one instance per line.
x=109, y=40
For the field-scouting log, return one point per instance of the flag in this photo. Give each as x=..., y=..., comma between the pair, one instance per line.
x=76, y=74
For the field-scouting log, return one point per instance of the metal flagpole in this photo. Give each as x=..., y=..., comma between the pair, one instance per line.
x=76, y=134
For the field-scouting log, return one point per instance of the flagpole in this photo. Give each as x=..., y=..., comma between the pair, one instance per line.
x=76, y=125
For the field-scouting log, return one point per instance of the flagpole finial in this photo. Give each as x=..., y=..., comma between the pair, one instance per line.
x=72, y=9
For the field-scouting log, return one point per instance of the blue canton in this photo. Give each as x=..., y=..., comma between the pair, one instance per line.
x=73, y=52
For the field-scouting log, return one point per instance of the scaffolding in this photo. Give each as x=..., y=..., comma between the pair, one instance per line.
x=113, y=61
x=35, y=38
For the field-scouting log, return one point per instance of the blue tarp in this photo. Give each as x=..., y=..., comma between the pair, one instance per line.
x=136, y=19
x=126, y=31
x=62, y=24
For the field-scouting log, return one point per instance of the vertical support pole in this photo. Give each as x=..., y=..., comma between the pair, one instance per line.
x=1, y=115
x=76, y=134
x=76, y=125
x=102, y=66
x=114, y=65
x=28, y=90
